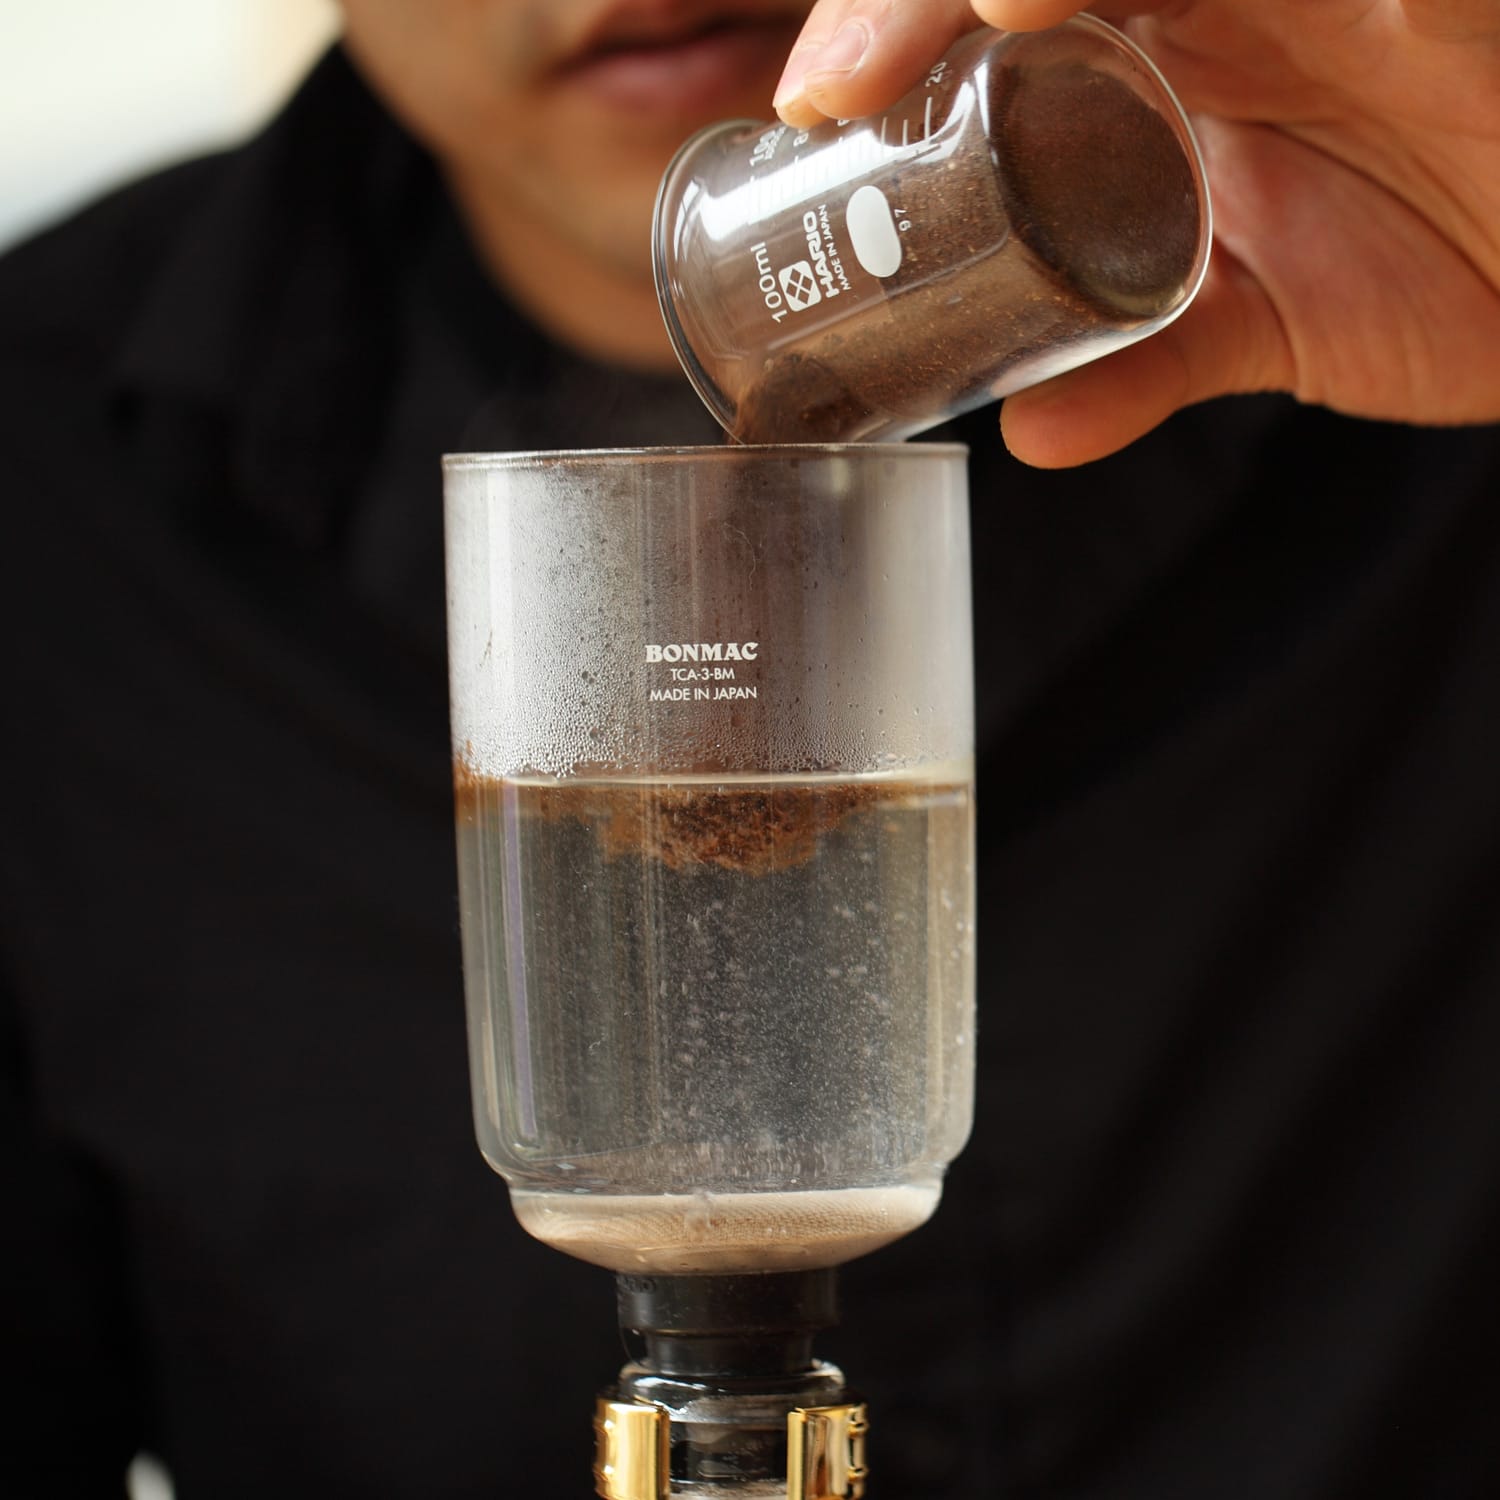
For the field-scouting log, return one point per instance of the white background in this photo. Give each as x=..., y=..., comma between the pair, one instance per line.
x=95, y=92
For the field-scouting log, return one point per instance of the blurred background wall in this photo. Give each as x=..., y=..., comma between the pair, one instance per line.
x=96, y=92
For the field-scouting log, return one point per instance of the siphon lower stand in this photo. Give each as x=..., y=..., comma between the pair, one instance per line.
x=726, y=1397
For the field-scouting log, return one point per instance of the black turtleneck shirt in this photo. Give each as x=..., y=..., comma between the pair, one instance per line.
x=1229, y=1223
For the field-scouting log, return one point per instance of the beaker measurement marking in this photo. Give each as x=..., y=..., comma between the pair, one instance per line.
x=765, y=147
x=884, y=122
x=927, y=119
x=906, y=132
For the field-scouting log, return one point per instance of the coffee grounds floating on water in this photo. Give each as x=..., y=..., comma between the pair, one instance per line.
x=755, y=829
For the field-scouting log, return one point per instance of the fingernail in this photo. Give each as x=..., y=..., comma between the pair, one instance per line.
x=792, y=75
x=840, y=54
x=843, y=53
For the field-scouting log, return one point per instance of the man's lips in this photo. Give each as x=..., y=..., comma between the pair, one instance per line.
x=691, y=72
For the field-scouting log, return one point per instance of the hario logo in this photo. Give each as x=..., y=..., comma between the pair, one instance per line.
x=818, y=250
x=800, y=287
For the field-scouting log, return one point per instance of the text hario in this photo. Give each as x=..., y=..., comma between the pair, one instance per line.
x=704, y=651
x=816, y=248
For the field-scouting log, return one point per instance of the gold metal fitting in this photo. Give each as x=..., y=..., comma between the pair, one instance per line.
x=825, y=1452
x=631, y=1450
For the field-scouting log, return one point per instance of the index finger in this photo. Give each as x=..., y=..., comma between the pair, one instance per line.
x=854, y=57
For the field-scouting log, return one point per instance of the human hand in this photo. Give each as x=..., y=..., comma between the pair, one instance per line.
x=1353, y=154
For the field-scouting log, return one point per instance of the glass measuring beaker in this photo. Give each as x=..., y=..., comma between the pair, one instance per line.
x=712, y=730
x=1036, y=203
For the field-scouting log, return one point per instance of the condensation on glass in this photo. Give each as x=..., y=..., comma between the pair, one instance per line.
x=712, y=733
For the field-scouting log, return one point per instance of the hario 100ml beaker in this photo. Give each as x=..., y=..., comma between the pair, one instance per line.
x=713, y=725
x=1038, y=202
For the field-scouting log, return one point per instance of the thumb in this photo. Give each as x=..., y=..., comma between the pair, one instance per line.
x=1229, y=340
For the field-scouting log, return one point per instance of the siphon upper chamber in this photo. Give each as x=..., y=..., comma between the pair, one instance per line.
x=713, y=763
